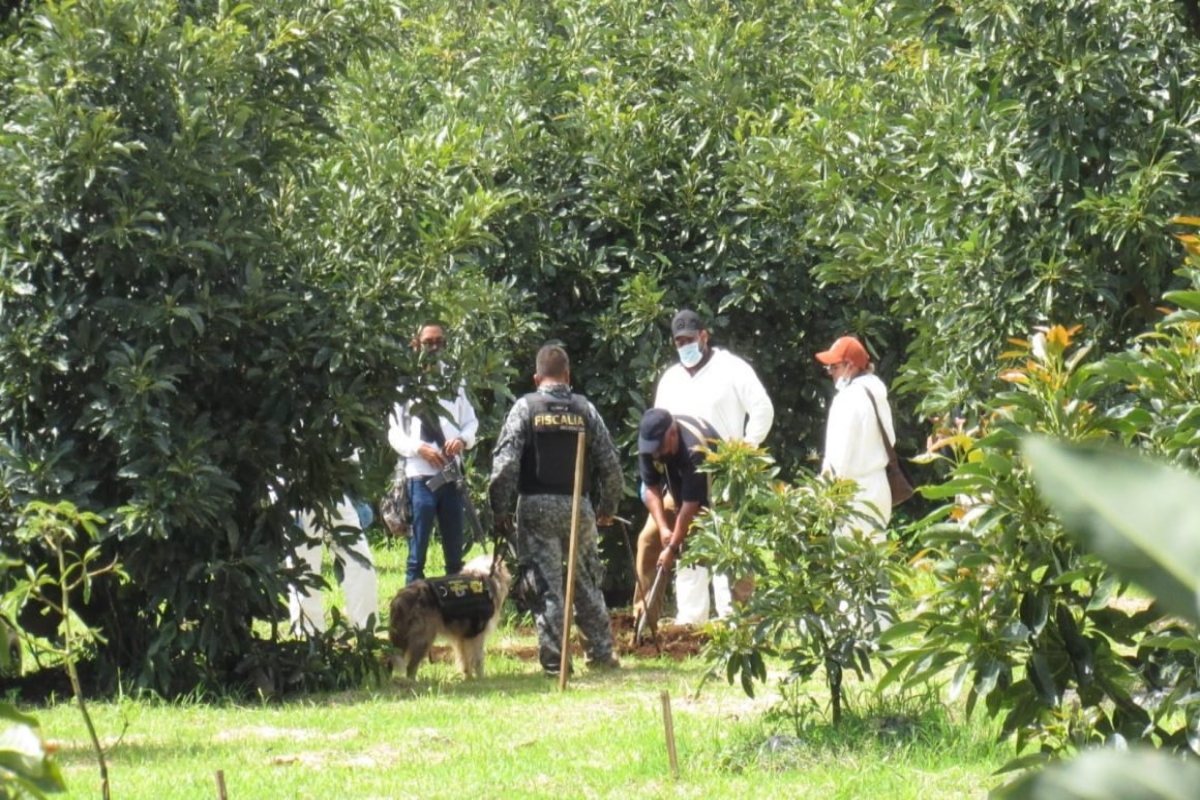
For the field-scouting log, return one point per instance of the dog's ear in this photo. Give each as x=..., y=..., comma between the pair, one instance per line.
x=398, y=612
x=404, y=606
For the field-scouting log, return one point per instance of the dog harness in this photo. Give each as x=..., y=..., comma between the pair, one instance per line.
x=466, y=598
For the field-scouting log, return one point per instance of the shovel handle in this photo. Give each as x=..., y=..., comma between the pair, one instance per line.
x=648, y=602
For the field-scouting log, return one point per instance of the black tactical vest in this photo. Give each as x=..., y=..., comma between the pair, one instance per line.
x=548, y=463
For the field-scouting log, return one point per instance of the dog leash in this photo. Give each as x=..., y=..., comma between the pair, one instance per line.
x=500, y=543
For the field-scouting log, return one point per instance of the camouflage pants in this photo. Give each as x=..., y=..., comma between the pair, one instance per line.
x=543, y=544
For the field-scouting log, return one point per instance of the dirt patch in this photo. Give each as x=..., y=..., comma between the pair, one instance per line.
x=677, y=642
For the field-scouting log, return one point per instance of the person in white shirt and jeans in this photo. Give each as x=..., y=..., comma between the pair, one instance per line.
x=712, y=384
x=423, y=454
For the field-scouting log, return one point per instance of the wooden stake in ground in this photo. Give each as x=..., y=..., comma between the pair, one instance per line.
x=669, y=728
x=221, y=785
x=564, y=666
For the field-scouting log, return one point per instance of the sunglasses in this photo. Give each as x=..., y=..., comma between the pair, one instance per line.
x=433, y=343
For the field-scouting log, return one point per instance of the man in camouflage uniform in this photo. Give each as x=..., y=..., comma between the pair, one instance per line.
x=533, y=471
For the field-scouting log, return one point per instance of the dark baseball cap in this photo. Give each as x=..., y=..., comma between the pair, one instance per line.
x=654, y=426
x=686, y=322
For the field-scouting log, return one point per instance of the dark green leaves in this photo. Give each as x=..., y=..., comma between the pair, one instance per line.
x=166, y=355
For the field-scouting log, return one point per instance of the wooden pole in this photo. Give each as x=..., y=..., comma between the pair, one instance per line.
x=564, y=666
x=669, y=728
x=221, y=795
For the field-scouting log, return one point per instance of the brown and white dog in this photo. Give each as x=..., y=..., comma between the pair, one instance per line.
x=463, y=608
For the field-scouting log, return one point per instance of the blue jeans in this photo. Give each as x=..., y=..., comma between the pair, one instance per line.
x=447, y=506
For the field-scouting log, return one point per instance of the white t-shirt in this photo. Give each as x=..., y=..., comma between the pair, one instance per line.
x=853, y=447
x=725, y=392
x=404, y=431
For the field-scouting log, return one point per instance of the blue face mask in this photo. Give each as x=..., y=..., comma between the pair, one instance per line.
x=690, y=354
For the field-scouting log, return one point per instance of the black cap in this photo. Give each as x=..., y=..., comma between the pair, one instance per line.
x=686, y=322
x=654, y=426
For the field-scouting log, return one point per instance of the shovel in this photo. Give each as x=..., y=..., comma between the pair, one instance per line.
x=648, y=601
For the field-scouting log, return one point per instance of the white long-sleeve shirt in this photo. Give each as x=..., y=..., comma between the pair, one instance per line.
x=725, y=392
x=853, y=447
x=404, y=431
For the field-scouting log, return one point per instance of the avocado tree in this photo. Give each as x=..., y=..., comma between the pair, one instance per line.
x=172, y=358
x=1025, y=619
x=220, y=225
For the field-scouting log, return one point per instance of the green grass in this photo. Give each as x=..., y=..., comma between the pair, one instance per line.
x=514, y=735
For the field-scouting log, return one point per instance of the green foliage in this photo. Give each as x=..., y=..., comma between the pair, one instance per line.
x=1150, y=537
x=339, y=658
x=27, y=770
x=595, y=153
x=78, y=564
x=221, y=223
x=1019, y=612
x=1143, y=774
x=1023, y=615
x=10, y=639
x=819, y=580
x=167, y=361
x=795, y=170
x=1161, y=372
x=59, y=528
x=1134, y=514
x=987, y=167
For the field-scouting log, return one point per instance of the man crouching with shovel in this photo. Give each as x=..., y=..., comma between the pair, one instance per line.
x=670, y=452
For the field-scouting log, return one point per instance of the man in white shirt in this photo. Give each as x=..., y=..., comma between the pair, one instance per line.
x=427, y=442
x=714, y=385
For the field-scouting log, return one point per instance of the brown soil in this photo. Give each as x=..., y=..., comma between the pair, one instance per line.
x=677, y=642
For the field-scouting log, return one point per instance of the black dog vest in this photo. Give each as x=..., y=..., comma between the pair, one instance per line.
x=464, y=597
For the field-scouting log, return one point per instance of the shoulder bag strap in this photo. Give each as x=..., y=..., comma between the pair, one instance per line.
x=887, y=443
x=704, y=440
x=432, y=423
x=693, y=430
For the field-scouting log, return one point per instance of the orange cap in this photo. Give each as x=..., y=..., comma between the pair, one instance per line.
x=848, y=349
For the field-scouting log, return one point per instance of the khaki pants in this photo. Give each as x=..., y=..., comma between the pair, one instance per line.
x=649, y=548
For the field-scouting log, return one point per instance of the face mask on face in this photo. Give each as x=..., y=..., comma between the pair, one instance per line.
x=842, y=382
x=690, y=354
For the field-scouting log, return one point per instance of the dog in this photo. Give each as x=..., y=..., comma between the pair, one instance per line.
x=463, y=608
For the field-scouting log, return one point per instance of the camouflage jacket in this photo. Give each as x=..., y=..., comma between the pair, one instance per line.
x=605, y=479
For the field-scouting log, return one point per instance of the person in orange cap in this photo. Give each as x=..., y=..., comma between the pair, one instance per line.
x=854, y=448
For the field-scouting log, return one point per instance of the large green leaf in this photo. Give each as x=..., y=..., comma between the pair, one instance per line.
x=24, y=760
x=1100, y=774
x=1189, y=299
x=1136, y=514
